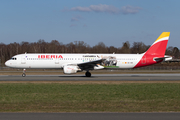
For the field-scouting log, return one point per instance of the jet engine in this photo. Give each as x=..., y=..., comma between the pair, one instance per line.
x=70, y=69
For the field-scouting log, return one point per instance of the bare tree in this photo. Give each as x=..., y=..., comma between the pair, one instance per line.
x=138, y=47
x=126, y=47
x=176, y=52
x=100, y=47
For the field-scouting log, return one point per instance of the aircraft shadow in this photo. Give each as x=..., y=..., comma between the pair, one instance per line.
x=77, y=76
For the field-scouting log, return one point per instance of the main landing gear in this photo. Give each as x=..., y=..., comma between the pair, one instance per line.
x=24, y=73
x=88, y=74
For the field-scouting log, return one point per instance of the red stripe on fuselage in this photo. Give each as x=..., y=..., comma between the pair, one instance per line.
x=157, y=50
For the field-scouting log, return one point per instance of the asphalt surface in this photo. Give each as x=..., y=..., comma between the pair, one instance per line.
x=94, y=77
x=89, y=116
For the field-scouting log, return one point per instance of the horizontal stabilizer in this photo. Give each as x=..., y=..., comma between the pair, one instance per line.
x=165, y=58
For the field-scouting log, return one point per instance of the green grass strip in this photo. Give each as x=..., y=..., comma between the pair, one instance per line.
x=55, y=97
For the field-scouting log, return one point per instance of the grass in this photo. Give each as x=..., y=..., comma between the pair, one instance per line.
x=61, y=97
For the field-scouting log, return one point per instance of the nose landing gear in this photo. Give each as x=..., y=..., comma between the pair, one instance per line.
x=24, y=73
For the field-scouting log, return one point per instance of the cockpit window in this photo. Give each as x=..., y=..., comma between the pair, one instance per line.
x=13, y=58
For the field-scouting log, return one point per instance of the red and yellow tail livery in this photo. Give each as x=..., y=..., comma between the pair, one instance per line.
x=156, y=52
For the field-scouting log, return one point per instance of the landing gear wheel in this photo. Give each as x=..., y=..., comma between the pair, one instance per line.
x=23, y=75
x=88, y=74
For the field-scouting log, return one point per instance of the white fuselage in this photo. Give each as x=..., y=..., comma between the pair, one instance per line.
x=40, y=60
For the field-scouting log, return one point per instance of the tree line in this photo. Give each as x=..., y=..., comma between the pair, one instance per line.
x=9, y=50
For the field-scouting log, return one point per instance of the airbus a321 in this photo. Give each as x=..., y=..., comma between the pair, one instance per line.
x=73, y=63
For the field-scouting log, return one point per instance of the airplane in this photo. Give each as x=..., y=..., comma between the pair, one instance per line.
x=73, y=63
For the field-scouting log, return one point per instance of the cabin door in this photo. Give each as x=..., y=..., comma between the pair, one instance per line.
x=57, y=61
x=23, y=59
x=144, y=60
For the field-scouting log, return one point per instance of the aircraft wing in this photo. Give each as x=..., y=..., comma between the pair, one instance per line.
x=90, y=65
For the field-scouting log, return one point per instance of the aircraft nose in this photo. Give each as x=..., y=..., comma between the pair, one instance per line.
x=7, y=63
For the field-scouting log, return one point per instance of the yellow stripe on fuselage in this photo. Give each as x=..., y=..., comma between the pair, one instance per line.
x=164, y=34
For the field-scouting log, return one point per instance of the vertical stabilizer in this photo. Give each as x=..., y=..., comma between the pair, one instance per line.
x=159, y=46
x=156, y=51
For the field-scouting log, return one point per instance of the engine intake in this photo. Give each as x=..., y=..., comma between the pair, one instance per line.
x=70, y=69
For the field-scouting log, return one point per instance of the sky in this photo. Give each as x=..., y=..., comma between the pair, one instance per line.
x=112, y=22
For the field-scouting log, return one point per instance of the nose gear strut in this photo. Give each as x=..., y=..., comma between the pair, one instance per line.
x=24, y=73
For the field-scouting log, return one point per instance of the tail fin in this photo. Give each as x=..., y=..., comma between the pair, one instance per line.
x=155, y=53
x=159, y=46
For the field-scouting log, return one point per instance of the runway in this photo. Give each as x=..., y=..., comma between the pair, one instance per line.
x=94, y=77
x=89, y=116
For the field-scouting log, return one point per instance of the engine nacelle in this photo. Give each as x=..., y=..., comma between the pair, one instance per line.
x=70, y=69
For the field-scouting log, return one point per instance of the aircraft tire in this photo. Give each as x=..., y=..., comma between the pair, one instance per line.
x=23, y=75
x=88, y=74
